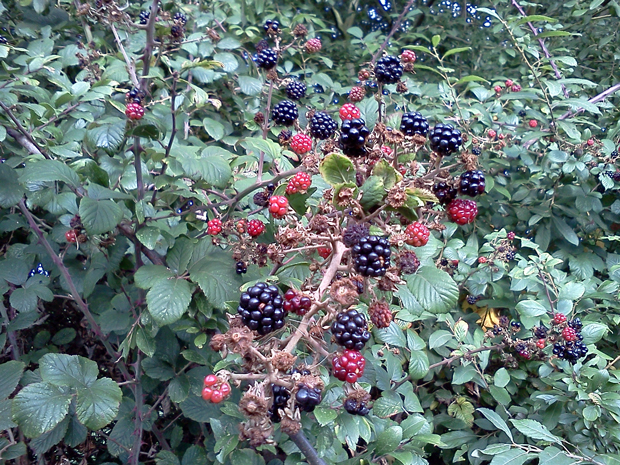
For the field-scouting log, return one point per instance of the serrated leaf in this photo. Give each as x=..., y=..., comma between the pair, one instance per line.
x=439, y=338
x=434, y=289
x=594, y=332
x=148, y=275
x=98, y=403
x=108, y=136
x=250, y=86
x=178, y=389
x=337, y=169
x=456, y=50
x=497, y=421
x=11, y=191
x=99, y=216
x=387, y=173
x=535, y=430
x=388, y=404
x=554, y=456
x=49, y=170
x=393, y=335
x=68, y=370
x=389, y=440
x=418, y=364
x=512, y=457
x=565, y=230
x=217, y=280
x=168, y=300
x=10, y=374
x=530, y=308
x=39, y=407
x=325, y=415
x=372, y=192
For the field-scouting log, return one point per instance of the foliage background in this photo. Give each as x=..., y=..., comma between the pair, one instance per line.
x=98, y=362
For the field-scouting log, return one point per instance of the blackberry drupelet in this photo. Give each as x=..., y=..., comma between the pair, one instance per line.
x=296, y=90
x=445, y=139
x=144, y=17
x=322, y=126
x=354, y=407
x=285, y=113
x=267, y=59
x=353, y=134
x=414, y=123
x=472, y=183
x=476, y=151
x=261, y=308
x=388, y=70
x=271, y=26
x=241, y=268
x=372, y=256
x=354, y=233
x=281, y=395
x=351, y=330
x=307, y=398
x=180, y=17
x=444, y=193
x=540, y=332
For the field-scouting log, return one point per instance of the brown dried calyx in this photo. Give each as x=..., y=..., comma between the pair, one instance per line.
x=283, y=361
x=237, y=339
x=253, y=403
x=344, y=291
x=396, y=197
x=319, y=224
x=257, y=430
x=380, y=314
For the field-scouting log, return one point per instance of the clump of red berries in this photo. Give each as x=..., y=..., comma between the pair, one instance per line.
x=301, y=144
x=278, y=206
x=71, y=236
x=313, y=45
x=408, y=56
x=296, y=302
x=214, y=389
x=300, y=183
x=255, y=227
x=569, y=334
x=511, y=236
x=559, y=318
x=417, y=234
x=462, y=211
x=324, y=252
x=533, y=123
x=349, y=111
x=349, y=366
x=134, y=111
x=492, y=133
x=357, y=94
x=214, y=227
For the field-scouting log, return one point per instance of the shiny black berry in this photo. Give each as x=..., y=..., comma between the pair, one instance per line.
x=522, y=113
x=575, y=324
x=614, y=154
x=180, y=17
x=510, y=256
x=354, y=407
x=296, y=90
x=372, y=256
x=350, y=330
x=444, y=193
x=472, y=183
x=307, y=398
x=281, y=395
x=241, y=268
x=267, y=59
x=445, y=139
x=476, y=151
x=261, y=308
x=271, y=25
x=144, y=17
x=388, y=70
x=322, y=126
x=353, y=135
x=285, y=113
x=3, y=40
x=414, y=123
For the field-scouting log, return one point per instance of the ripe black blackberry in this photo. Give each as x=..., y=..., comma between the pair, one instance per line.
x=261, y=308
x=540, y=332
x=445, y=139
x=353, y=134
x=285, y=113
x=476, y=151
x=408, y=262
x=272, y=26
x=354, y=233
x=444, y=193
x=284, y=137
x=614, y=154
x=322, y=126
x=281, y=395
x=241, y=268
x=372, y=256
x=144, y=17
x=414, y=123
x=388, y=70
x=176, y=31
x=351, y=330
x=267, y=59
x=354, y=407
x=307, y=398
x=511, y=255
x=576, y=324
x=522, y=113
x=296, y=90
x=3, y=40
x=472, y=183
x=180, y=17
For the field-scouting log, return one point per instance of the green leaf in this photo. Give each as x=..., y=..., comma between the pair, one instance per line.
x=497, y=421
x=98, y=404
x=68, y=370
x=530, y=308
x=389, y=440
x=217, y=279
x=435, y=40
x=108, y=136
x=418, y=364
x=10, y=374
x=24, y=299
x=250, y=86
x=49, y=170
x=565, y=230
x=325, y=415
x=434, y=289
x=372, y=192
x=99, y=216
x=554, y=456
x=534, y=18
x=11, y=191
x=388, y=404
x=148, y=275
x=214, y=128
x=387, y=173
x=594, y=332
x=501, y=378
x=168, y=300
x=471, y=78
x=196, y=455
x=456, y=50
x=39, y=407
x=439, y=338
x=393, y=335
x=337, y=169
x=178, y=389
x=512, y=457
x=166, y=457
x=535, y=430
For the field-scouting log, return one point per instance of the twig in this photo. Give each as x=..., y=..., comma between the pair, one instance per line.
x=595, y=99
x=131, y=69
x=67, y=110
x=454, y=358
x=395, y=27
x=301, y=441
x=150, y=43
x=25, y=133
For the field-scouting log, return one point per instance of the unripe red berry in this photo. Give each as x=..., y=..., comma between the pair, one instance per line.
x=559, y=318
x=569, y=334
x=134, y=111
x=301, y=144
x=387, y=151
x=417, y=234
x=255, y=228
x=210, y=380
x=349, y=366
x=498, y=89
x=278, y=206
x=462, y=211
x=313, y=45
x=533, y=123
x=301, y=182
x=324, y=252
x=541, y=343
x=509, y=82
x=590, y=142
x=217, y=397
x=214, y=227
x=492, y=133
x=71, y=236
x=511, y=236
x=349, y=111
x=408, y=56
x=482, y=259
x=515, y=88
x=207, y=393
x=357, y=94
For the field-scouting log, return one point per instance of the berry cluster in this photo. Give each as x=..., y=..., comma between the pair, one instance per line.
x=307, y=398
x=324, y=252
x=380, y=314
x=214, y=389
x=267, y=58
x=322, y=126
x=570, y=347
x=71, y=236
x=408, y=262
x=355, y=407
x=357, y=94
x=261, y=308
x=241, y=268
x=444, y=192
x=134, y=111
x=301, y=144
x=353, y=135
x=296, y=302
x=39, y=270
x=255, y=228
x=462, y=211
x=408, y=56
x=285, y=113
x=349, y=111
x=144, y=17
x=349, y=366
x=272, y=26
x=281, y=395
x=180, y=18
x=278, y=206
x=372, y=256
x=299, y=183
x=417, y=234
x=214, y=227
x=313, y=45
x=414, y=123
x=445, y=139
x=350, y=330
x=388, y=70
x=296, y=90
x=472, y=183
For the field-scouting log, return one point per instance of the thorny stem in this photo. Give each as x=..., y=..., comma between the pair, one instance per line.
x=454, y=358
x=301, y=441
x=261, y=158
x=131, y=69
x=21, y=129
